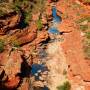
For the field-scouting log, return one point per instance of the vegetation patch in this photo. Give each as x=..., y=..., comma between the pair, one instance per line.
x=87, y=45
x=1, y=45
x=87, y=52
x=87, y=35
x=39, y=24
x=83, y=27
x=65, y=86
x=64, y=72
x=83, y=19
x=1, y=13
x=16, y=43
x=75, y=5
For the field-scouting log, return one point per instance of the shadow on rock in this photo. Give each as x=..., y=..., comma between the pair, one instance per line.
x=41, y=88
x=25, y=68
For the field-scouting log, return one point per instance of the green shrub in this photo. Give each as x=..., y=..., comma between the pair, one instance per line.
x=87, y=35
x=39, y=24
x=83, y=27
x=87, y=48
x=87, y=52
x=87, y=42
x=28, y=16
x=83, y=19
x=75, y=5
x=1, y=45
x=39, y=6
x=65, y=86
x=1, y=13
x=64, y=72
x=15, y=43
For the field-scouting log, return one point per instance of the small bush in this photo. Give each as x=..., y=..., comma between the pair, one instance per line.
x=65, y=86
x=83, y=27
x=87, y=48
x=87, y=52
x=1, y=13
x=39, y=24
x=83, y=19
x=75, y=5
x=28, y=16
x=87, y=42
x=24, y=7
x=15, y=43
x=64, y=72
x=1, y=45
x=87, y=35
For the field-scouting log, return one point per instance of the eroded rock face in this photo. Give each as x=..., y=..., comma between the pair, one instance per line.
x=13, y=64
x=4, y=57
x=3, y=76
x=49, y=12
x=9, y=22
x=29, y=36
x=11, y=67
x=85, y=2
x=42, y=36
x=12, y=82
x=35, y=17
x=11, y=61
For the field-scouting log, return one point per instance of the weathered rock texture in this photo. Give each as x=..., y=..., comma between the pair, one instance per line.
x=9, y=22
x=14, y=65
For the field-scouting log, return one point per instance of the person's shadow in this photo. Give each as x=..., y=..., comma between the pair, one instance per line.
x=25, y=68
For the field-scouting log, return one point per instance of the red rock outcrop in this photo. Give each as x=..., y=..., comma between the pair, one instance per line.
x=42, y=36
x=9, y=23
x=30, y=35
x=22, y=37
x=49, y=12
x=12, y=82
x=10, y=62
x=85, y=2
x=13, y=64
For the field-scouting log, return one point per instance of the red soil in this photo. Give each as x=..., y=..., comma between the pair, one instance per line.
x=79, y=68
